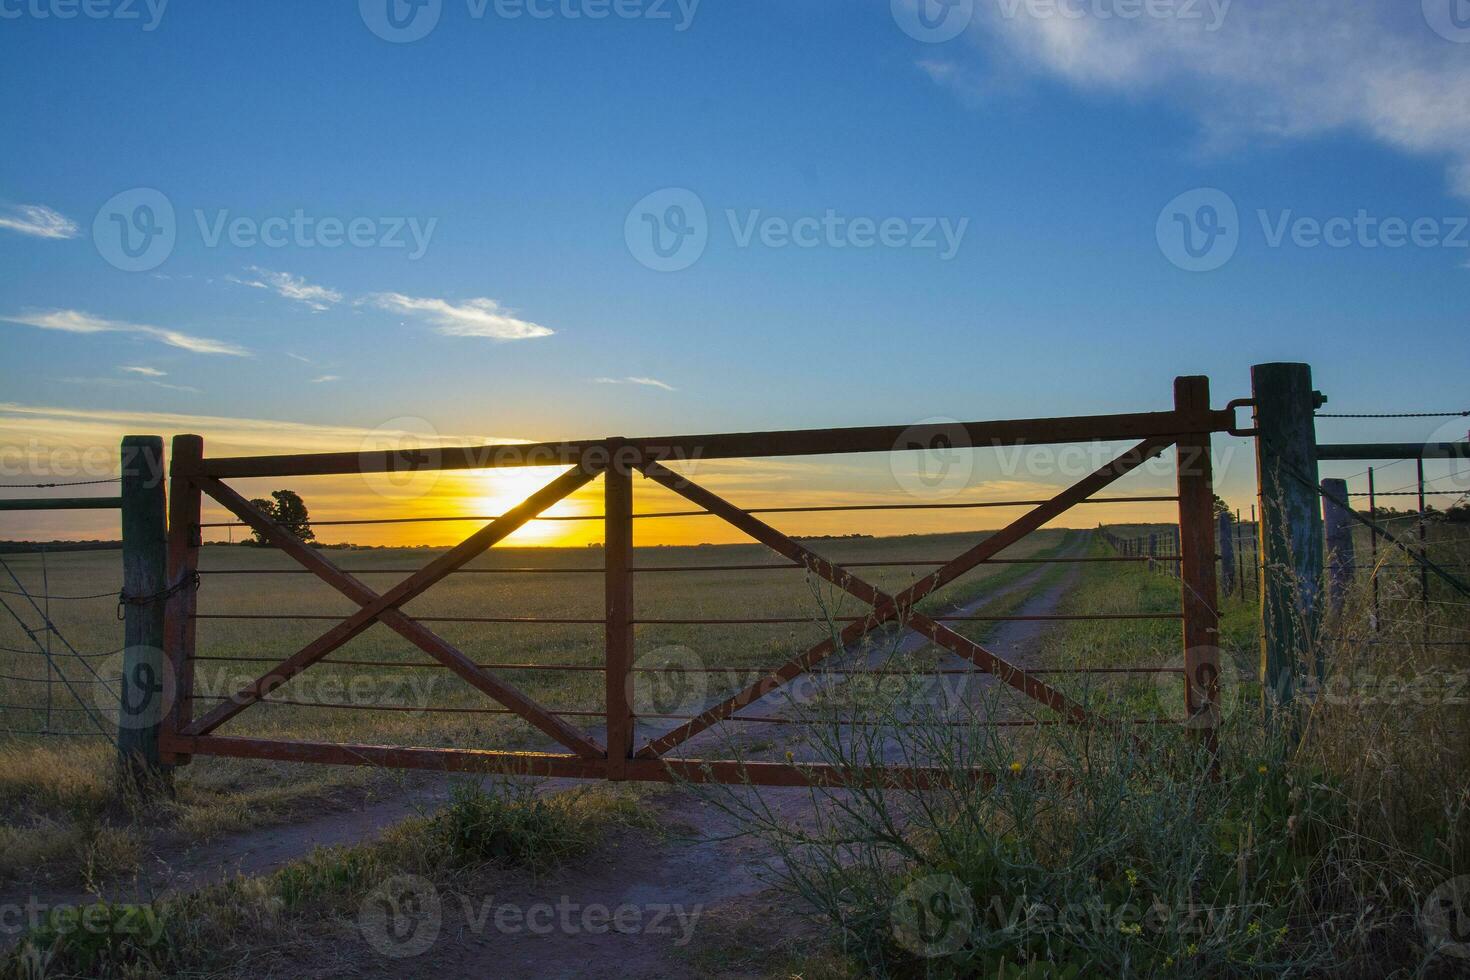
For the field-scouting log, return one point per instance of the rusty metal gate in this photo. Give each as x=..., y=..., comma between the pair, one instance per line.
x=1188, y=427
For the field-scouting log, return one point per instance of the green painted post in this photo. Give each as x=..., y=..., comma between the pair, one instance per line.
x=1289, y=528
x=1341, y=562
x=145, y=577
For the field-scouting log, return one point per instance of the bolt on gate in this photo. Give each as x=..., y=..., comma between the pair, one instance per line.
x=614, y=752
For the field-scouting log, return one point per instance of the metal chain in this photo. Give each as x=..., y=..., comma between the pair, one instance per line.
x=187, y=582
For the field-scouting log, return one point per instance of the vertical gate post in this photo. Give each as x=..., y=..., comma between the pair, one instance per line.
x=184, y=540
x=618, y=580
x=1227, y=553
x=1290, y=527
x=1198, y=590
x=1341, y=562
x=145, y=574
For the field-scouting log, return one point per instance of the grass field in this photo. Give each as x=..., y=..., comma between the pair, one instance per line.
x=60, y=784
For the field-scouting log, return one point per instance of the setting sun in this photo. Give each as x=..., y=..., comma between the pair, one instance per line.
x=493, y=492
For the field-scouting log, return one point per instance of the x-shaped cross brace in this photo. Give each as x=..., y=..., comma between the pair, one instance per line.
x=887, y=608
x=384, y=608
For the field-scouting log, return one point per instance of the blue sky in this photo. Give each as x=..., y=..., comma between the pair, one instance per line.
x=1056, y=140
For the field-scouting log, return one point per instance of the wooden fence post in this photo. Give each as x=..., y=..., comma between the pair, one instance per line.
x=1199, y=596
x=145, y=576
x=1341, y=562
x=1290, y=528
x=618, y=580
x=184, y=540
x=1227, y=552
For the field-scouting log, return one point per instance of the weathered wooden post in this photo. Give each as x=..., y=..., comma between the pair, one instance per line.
x=1153, y=550
x=1226, y=535
x=618, y=576
x=184, y=541
x=1290, y=528
x=1198, y=591
x=1341, y=565
x=145, y=575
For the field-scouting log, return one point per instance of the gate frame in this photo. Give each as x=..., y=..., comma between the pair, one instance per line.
x=1188, y=426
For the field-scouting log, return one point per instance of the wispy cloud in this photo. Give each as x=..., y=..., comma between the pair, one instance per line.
x=39, y=221
x=75, y=321
x=129, y=383
x=646, y=382
x=283, y=284
x=470, y=318
x=1258, y=68
x=150, y=372
x=324, y=379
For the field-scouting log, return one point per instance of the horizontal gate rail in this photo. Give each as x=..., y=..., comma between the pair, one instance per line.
x=809, y=509
x=799, y=442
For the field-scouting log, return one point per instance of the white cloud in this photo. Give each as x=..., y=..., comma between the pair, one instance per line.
x=319, y=298
x=75, y=321
x=150, y=372
x=324, y=379
x=1259, y=68
x=129, y=383
x=471, y=318
x=646, y=382
x=39, y=221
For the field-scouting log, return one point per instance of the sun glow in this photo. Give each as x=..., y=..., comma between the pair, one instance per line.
x=495, y=492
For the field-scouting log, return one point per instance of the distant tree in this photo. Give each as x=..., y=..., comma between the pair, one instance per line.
x=289, y=511
x=1221, y=507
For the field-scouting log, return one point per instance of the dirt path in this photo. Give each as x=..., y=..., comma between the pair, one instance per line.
x=680, y=885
